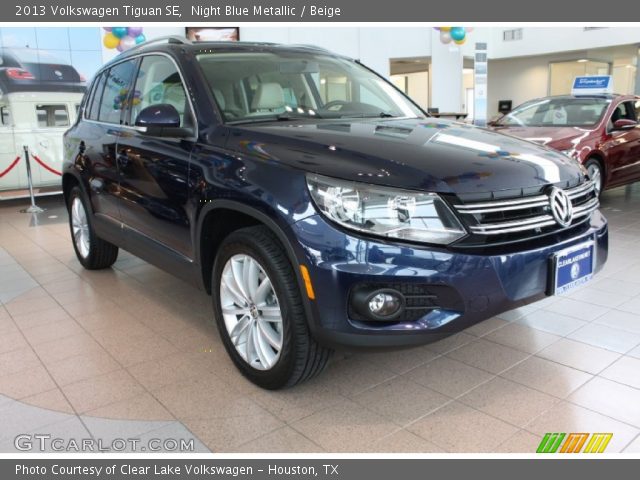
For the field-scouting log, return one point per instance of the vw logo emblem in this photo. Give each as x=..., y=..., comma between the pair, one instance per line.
x=575, y=271
x=561, y=207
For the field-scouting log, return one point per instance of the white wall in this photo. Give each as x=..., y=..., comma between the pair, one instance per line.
x=543, y=40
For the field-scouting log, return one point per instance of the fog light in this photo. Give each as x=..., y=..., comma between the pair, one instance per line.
x=384, y=304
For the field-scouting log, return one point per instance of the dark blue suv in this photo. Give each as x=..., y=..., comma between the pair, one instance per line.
x=318, y=205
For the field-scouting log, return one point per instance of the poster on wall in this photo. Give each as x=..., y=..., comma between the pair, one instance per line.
x=213, y=34
x=480, y=85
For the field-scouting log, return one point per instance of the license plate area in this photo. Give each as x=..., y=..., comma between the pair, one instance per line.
x=572, y=267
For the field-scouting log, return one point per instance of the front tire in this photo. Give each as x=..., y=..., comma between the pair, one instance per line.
x=259, y=311
x=93, y=252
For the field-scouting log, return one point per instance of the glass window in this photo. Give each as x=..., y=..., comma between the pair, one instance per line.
x=93, y=106
x=558, y=111
x=52, y=115
x=623, y=111
x=263, y=86
x=159, y=82
x=116, y=91
x=5, y=116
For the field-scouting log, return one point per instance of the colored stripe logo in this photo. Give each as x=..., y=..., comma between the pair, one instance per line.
x=574, y=442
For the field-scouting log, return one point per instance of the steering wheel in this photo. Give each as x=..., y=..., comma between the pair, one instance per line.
x=335, y=103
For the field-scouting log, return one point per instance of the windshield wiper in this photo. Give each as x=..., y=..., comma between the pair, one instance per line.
x=295, y=116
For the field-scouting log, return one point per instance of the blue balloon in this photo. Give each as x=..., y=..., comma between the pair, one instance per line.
x=141, y=38
x=119, y=31
x=457, y=33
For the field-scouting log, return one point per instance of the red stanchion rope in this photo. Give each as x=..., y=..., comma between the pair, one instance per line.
x=46, y=167
x=10, y=167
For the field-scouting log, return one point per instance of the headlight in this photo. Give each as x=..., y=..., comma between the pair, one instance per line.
x=402, y=214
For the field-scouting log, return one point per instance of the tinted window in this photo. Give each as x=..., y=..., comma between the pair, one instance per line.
x=93, y=107
x=52, y=115
x=116, y=91
x=159, y=82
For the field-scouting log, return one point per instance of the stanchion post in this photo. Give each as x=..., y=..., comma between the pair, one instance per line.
x=33, y=208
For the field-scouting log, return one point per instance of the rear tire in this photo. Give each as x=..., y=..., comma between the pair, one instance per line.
x=93, y=252
x=596, y=174
x=253, y=280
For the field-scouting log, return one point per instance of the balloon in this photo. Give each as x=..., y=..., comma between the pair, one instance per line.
x=460, y=42
x=110, y=41
x=119, y=31
x=469, y=29
x=445, y=29
x=127, y=42
x=107, y=29
x=120, y=48
x=134, y=31
x=141, y=38
x=436, y=28
x=445, y=37
x=457, y=33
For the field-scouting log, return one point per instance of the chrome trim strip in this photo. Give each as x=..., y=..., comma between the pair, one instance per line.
x=535, y=222
x=521, y=203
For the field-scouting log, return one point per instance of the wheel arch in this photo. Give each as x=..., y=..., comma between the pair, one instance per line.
x=221, y=217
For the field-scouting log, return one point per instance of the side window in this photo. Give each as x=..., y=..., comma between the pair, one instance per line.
x=159, y=82
x=5, y=116
x=52, y=115
x=93, y=107
x=637, y=109
x=624, y=110
x=116, y=91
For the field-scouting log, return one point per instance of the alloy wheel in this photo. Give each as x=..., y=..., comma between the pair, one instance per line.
x=596, y=176
x=251, y=311
x=80, y=227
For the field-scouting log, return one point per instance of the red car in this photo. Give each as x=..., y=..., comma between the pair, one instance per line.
x=601, y=131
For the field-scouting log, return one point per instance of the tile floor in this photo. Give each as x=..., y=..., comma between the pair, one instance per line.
x=130, y=352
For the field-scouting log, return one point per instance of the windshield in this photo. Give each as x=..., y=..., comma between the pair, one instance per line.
x=259, y=86
x=557, y=112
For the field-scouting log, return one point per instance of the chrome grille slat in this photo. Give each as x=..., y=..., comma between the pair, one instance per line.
x=534, y=206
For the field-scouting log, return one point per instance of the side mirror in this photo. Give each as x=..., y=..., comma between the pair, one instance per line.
x=161, y=120
x=624, y=124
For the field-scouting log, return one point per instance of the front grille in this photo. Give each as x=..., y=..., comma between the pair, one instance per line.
x=524, y=217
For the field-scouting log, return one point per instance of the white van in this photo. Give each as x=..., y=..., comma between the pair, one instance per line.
x=39, y=100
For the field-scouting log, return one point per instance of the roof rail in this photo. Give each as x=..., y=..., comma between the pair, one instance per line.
x=304, y=45
x=174, y=39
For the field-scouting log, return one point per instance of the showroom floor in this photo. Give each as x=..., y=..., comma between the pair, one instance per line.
x=130, y=352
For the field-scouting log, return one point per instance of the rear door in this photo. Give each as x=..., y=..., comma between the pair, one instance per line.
x=154, y=170
x=99, y=134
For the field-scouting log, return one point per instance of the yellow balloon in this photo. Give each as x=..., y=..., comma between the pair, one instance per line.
x=460, y=42
x=445, y=29
x=110, y=40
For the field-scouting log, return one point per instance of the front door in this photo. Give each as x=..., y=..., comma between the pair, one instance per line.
x=154, y=170
x=622, y=147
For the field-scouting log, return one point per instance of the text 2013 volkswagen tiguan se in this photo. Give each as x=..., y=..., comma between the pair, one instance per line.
x=317, y=204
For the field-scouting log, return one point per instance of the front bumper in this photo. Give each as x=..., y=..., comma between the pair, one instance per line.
x=484, y=285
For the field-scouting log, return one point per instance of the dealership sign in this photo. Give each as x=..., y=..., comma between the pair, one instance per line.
x=592, y=85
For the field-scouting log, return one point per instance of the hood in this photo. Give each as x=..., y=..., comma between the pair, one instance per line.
x=560, y=138
x=420, y=154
